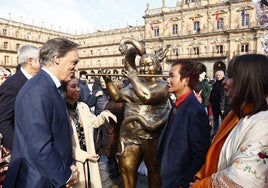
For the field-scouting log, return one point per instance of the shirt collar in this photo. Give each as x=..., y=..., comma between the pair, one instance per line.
x=53, y=77
x=26, y=74
x=180, y=100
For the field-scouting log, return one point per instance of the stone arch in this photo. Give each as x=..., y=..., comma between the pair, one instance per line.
x=115, y=71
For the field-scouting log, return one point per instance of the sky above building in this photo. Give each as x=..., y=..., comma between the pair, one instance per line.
x=79, y=16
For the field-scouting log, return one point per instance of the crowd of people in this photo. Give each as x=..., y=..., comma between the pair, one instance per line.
x=58, y=126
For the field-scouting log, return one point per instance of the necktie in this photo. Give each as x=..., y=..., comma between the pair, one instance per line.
x=60, y=89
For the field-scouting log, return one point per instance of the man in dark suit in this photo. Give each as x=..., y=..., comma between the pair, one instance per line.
x=184, y=142
x=28, y=59
x=42, y=148
x=218, y=100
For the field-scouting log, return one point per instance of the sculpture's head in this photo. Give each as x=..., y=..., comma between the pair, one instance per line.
x=150, y=64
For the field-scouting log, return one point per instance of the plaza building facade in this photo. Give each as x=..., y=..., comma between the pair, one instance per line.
x=208, y=31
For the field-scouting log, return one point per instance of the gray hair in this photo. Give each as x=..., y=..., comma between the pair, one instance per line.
x=55, y=47
x=220, y=72
x=27, y=51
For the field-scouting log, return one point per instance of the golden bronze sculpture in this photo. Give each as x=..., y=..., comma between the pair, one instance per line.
x=146, y=110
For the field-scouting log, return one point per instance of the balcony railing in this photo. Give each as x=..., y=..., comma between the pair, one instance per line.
x=200, y=55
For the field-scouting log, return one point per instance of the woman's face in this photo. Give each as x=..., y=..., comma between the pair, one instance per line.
x=73, y=90
x=228, y=84
x=103, y=84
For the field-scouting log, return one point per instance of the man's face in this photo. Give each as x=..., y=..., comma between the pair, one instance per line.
x=67, y=65
x=35, y=65
x=219, y=75
x=174, y=83
x=83, y=77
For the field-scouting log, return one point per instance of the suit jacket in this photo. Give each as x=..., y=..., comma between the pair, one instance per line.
x=183, y=144
x=8, y=92
x=42, y=149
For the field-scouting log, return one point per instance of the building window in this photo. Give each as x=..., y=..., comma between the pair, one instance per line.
x=175, y=52
x=156, y=31
x=244, y=47
x=196, y=51
x=219, y=49
x=17, y=46
x=4, y=31
x=175, y=29
x=6, y=60
x=220, y=23
x=17, y=34
x=197, y=26
x=245, y=20
x=5, y=45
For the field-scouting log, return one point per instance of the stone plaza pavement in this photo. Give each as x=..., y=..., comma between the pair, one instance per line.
x=108, y=182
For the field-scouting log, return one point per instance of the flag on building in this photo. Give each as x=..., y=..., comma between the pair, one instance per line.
x=151, y=25
x=169, y=21
x=217, y=16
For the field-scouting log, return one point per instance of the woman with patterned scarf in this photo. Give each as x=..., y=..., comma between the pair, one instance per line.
x=238, y=155
x=83, y=122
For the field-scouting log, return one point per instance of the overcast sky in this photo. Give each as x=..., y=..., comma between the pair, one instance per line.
x=79, y=15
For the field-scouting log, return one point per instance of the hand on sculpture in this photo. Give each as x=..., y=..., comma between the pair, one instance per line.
x=130, y=73
x=93, y=157
x=107, y=114
x=74, y=177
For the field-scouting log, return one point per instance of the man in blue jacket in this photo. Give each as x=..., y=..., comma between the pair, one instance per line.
x=184, y=142
x=42, y=148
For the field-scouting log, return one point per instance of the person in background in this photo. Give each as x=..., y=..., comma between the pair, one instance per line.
x=202, y=90
x=28, y=58
x=83, y=122
x=4, y=74
x=98, y=100
x=217, y=101
x=110, y=133
x=85, y=92
x=42, y=146
x=238, y=154
x=184, y=142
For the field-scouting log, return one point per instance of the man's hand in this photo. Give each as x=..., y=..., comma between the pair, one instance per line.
x=74, y=177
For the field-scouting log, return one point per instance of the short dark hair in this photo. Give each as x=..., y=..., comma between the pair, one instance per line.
x=64, y=84
x=189, y=69
x=250, y=83
x=82, y=73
